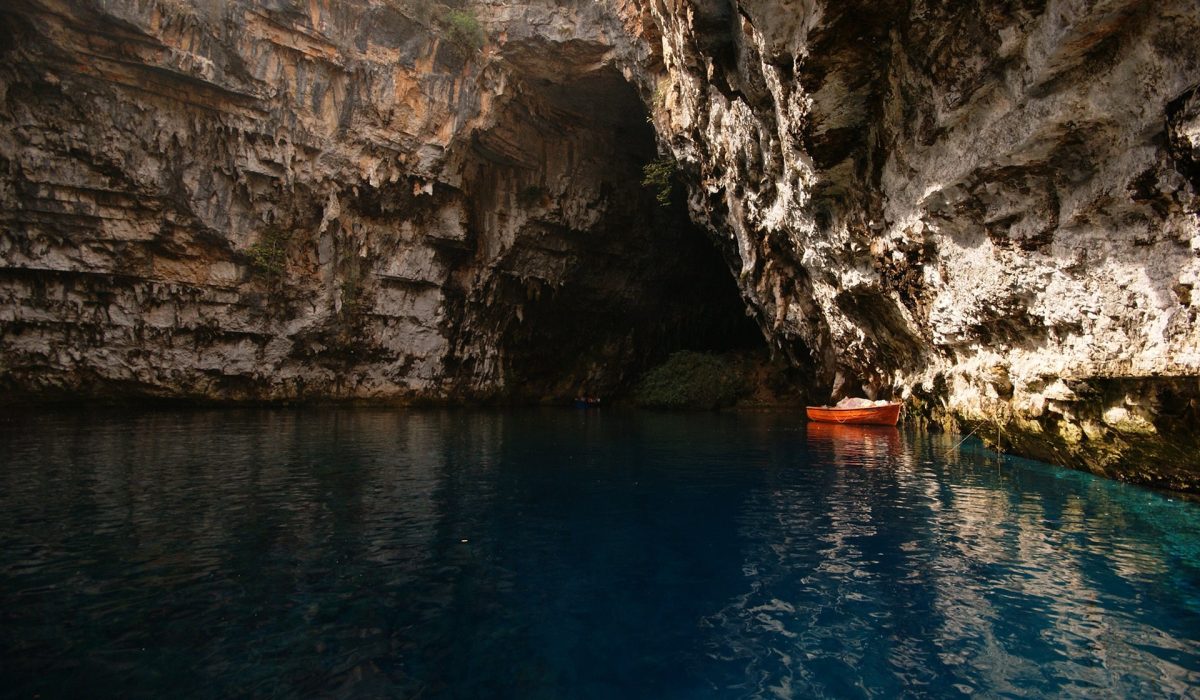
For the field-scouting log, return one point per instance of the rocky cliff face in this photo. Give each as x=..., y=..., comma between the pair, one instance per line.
x=278, y=200
x=988, y=209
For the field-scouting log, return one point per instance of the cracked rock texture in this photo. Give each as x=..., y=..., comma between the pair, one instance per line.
x=988, y=209
x=288, y=200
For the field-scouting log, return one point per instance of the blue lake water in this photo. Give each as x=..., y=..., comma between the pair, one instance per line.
x=574, y=554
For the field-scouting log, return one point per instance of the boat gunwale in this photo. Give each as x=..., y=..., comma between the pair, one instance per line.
x=888, y=414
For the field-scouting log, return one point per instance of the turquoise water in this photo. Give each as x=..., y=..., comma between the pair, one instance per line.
x=574, y=554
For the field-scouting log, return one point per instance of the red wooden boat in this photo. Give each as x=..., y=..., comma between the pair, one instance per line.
x=886, y=414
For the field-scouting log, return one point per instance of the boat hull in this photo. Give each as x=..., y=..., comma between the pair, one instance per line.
x=871, y=415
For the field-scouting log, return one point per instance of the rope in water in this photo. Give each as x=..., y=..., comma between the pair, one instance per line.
x=960, y=442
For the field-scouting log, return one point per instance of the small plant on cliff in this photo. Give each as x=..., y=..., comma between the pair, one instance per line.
x=659, y=175
x=269, y=254
x=464, y=29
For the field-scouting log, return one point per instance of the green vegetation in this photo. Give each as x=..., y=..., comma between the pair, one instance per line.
x=464, y=29
x=693, y=380
x=460, y=26
x=659, y=175
x=269, y=254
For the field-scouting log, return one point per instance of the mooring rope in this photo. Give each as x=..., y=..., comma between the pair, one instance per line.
x=960, y=442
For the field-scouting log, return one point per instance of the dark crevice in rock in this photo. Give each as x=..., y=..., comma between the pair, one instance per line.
x=8, y=29
x=1185, y=154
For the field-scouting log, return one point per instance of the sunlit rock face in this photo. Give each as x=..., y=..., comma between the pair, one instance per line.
x=989, y=208
x=277, y=200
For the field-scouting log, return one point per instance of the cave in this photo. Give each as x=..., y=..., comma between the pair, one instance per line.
x=296, y=297
x=427, y=227
x=600, y=279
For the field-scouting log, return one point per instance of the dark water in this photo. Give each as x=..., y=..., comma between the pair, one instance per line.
x=572, y=554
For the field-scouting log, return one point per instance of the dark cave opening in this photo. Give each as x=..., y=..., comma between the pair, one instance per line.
x=637, y=281
x=592, y=337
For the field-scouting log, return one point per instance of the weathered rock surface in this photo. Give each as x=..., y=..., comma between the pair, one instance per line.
x=281, y=200
x=987, y=208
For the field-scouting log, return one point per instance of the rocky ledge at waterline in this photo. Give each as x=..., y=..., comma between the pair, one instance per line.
x=989, y=209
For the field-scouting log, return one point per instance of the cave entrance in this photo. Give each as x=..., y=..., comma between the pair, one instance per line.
x=600, y=281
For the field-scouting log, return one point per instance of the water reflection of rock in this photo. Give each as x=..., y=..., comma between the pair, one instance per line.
x=898, y=561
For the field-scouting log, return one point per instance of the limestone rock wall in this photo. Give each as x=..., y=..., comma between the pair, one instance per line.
x=284, y=199
x=988, y=208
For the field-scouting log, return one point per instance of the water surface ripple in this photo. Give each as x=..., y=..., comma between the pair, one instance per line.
x=574, y=554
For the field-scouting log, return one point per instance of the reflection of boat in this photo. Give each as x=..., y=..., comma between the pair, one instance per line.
x=856, y=441
x=887, y=414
